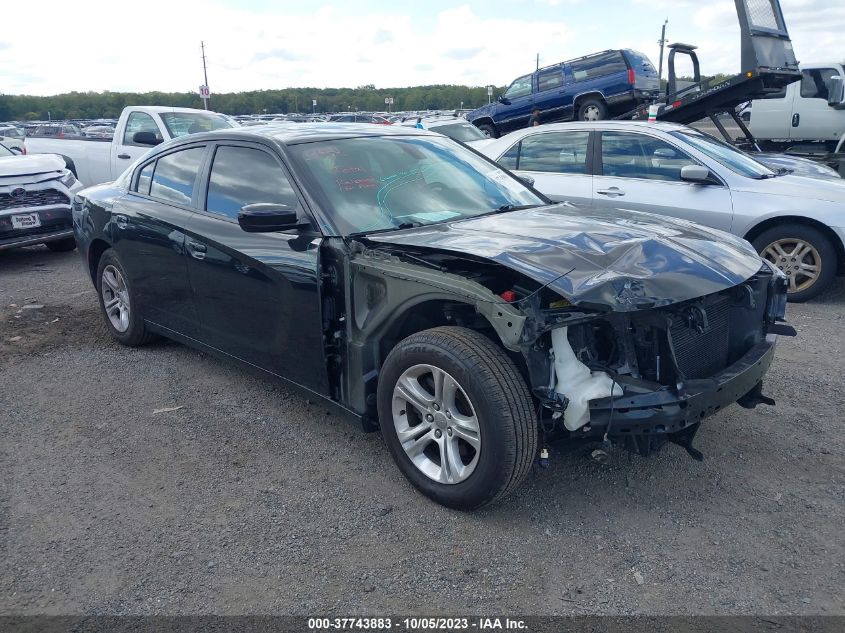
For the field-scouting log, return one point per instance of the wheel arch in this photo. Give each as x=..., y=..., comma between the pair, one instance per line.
x=96, y=248
x=579, y=99
x=758, y=229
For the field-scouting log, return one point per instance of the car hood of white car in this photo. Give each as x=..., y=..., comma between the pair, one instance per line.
x=797, y=187
x=30, y=165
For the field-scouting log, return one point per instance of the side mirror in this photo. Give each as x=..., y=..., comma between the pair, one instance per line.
x=528, y=180
x=265, y=218
x=695, y=173
x=503, y=100
x=145, y=138
x=834, y=92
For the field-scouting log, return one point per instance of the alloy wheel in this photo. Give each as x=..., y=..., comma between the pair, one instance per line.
x=592, y=113
x=115, y=298
x=436, y=424
x=799, y=260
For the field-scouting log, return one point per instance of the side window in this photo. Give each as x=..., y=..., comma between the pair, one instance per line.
x=242, y=176
x=630, y=155
x=139, y=122
x=145, y=177
x=598, y=65
x=555, y=152
x=175, y=174
x=549, y=79
x=519, y=88
x=510, y=159
x=815, y=83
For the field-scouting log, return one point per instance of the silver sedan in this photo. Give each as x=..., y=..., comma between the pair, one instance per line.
x=795, y=222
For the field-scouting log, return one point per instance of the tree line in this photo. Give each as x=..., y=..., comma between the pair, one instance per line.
x=96, y=105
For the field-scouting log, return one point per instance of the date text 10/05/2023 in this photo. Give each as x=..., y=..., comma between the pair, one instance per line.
x=416, y=624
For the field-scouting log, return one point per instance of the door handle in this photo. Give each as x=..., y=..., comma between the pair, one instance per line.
x=198, y=249
x=796, y=118
x=612, y=192
x=122, y=221
x=123, y=156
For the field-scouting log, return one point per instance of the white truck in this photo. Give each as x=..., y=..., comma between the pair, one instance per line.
x=94, y=161
x=806, y=117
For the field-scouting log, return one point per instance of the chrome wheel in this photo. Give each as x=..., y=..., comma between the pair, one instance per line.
x=115, y=298
x=799, y=260
x=436, y=424
x=592, y=113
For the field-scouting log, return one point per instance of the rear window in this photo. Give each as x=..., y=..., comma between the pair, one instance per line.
x=175, y=174
x=598, y=65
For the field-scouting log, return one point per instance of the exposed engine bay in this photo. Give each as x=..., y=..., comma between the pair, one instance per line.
x=642, y=376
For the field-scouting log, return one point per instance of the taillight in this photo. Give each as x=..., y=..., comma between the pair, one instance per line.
x=631, y=76
x=509, y=296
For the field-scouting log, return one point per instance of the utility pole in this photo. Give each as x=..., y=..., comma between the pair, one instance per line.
x=538, y=61
x=662, y=42
x=206, y=96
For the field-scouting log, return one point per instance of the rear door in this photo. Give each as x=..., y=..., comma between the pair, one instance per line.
x=557, y=161
x=551, y=96
x=641, y=172
x=771, y=115
x=148, y=230
x=812, y=117
x=256, y=293
x=605, y=73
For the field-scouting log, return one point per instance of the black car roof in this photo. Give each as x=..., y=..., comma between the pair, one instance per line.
x=308, y=132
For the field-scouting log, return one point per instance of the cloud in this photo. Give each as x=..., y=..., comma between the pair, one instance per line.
x=382, y=37
x=462, y=53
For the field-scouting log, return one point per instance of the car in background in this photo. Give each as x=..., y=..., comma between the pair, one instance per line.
x=589, y=88
x=14, y=138
x=359, y=117
x=796, y=223
x=139, y=128
x=99, y=131
x=35, y=201
x=454, y=127
x=56, y=130
x=410, y=284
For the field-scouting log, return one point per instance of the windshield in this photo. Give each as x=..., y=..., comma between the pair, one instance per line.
x=386, y=182
x=460, y=132
x=725, y=154
x=181, y=123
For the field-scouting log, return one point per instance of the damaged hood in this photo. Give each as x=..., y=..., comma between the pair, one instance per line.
x=30, y=165
x=624, y=260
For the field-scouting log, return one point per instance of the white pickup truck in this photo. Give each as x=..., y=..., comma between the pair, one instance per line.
x=94, y=161
x=806, y=117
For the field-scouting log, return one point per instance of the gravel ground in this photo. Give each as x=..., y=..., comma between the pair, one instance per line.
x=248, y=499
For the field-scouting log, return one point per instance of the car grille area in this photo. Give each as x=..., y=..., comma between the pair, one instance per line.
x=701, y=339
x=41, y=198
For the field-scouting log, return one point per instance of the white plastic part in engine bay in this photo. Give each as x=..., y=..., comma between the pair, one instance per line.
x=577, y=382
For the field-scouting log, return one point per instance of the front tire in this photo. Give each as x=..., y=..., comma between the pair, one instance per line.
x=488, y=130
x=804, y=254
x=61, y=246
x=121, y=309
x=457, y=417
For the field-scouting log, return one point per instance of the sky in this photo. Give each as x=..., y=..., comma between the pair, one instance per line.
x=272, y=44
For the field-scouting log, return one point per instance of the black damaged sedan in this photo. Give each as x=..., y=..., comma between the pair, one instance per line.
x=419, y=288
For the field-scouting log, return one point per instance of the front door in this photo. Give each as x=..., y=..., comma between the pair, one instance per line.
x=256, y=293
x=812, y=117
x=124, y=150
x=516, y=113
x=643, y=173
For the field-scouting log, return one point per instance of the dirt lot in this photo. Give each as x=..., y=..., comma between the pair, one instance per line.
x=248, y=499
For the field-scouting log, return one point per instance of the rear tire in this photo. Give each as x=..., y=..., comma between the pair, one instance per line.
x=61, y=246
x=592, y=110
x=804, y=254
x=115, y=293
x=469, y=441
x=488, y=130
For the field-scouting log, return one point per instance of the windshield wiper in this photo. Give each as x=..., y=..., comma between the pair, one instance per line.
x=505, y=208
x=396, y=227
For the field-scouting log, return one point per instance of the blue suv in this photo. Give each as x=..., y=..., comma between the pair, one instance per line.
x=589, y=88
